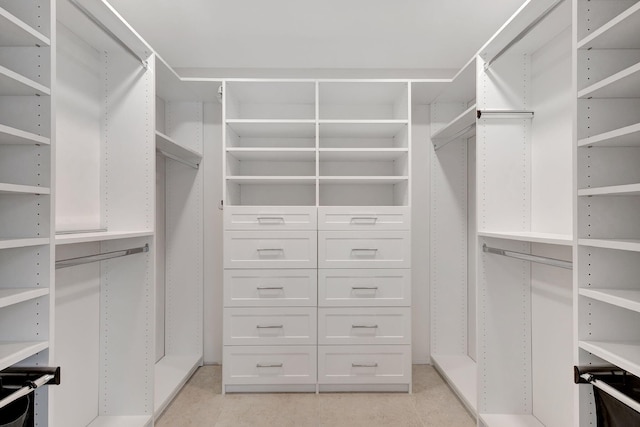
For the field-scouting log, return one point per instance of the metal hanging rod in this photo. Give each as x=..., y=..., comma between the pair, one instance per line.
x=29, y=380
x=100, y=257
x=523, y=33
x=518, y=113
x=108, y=32
x=528, y=257
x=455, y=136
x=179, y=160
x=589, y=374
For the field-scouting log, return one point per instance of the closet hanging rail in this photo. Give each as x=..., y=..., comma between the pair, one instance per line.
x=588, y=374
x=27, y=379
x=179, y=160
x=99, y=257
x=495, y=113
x=523, y=33
x=528, y=257
x=108, y=32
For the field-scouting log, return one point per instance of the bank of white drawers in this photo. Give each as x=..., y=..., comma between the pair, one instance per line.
x=270, y=331
x=317, y=296
x=364, y=296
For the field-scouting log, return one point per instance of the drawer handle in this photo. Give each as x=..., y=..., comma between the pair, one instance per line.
x=364, y=250
x=364, y=288
x=271, y=219
x=269, y=326
x=270, y=250
x=269, y=365
x=364, y=365
x=270, y=288
x=365, y=219
x=364, y=326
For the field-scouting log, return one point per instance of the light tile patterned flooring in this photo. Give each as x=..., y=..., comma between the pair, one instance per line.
x=432, y=403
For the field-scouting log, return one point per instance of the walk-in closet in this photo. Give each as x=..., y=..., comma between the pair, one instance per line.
x=214, y=213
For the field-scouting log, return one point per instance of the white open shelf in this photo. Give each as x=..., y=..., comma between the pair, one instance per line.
x=625, y=355
x=121, y=421
x=14, y=352
x=9, y=136
x=462, y=126
x=360, y=128
x=166, y=145
x=529, y=236
x=17, y=33
x=363, y=179
x=22, y=189
x=171, y=373
x=362, y=154
x=12, y=296
x=619, y=244
x=23, y=243
x=462, y=86
x=625, y=298
x=67, y=239
x=628, y=136
x=14, y=84
x=510, y=420
x=266, y=180
x=620, y=190
x=622, y=32
x=461, y=373
x=272, y=154
x=624, y=84
x=273, y=128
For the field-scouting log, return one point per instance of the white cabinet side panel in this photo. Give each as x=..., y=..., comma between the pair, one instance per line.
x=160, y=242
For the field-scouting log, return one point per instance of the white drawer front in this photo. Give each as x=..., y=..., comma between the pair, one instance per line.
x=378, y=325
x=371, y=249
x=364, y=364
x=364, y=287
x=364, y=218
x=270, y=218
x=270, y=249
x=270, y=326
x=270, y=288
x=269, y=365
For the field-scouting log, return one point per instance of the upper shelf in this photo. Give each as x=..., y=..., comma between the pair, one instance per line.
x=68, y=239
x=22, y=189
x=273, y=154
x=618, y=244
x=23, y=243
x=171, y=87
x=17, y=33
x=624, y=84
x=17, y=295
x=613, y=190
x=462, y=126
x=463, y=85
x=361, y=128
x=535, y=24
x=362, y=154
x=172, y=149
x=273, y=128
x=14, y=84
x=625, y=298
x=622, y=32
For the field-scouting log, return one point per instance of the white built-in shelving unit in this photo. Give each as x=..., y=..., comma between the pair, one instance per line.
x=105, y=169
x=26, y=207
x=317, y=246
x=179, y=139
x=608, y=120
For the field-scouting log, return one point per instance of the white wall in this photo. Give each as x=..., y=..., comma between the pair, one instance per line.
x=420, y=201
x=212, y=164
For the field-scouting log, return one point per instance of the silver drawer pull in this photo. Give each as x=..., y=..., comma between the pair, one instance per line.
x=364, y=288
x=270, y=288
x=364, y=365
x=269, y=365
x=271, y=220
x=367, y=219
x=269, y=326
x=270, y=250
x=364, y=250
x=364, y=326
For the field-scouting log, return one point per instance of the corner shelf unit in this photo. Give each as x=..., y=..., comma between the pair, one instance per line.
x=608, y=189
x=26, y=209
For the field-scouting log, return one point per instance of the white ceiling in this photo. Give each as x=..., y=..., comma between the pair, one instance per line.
x=326, y=34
